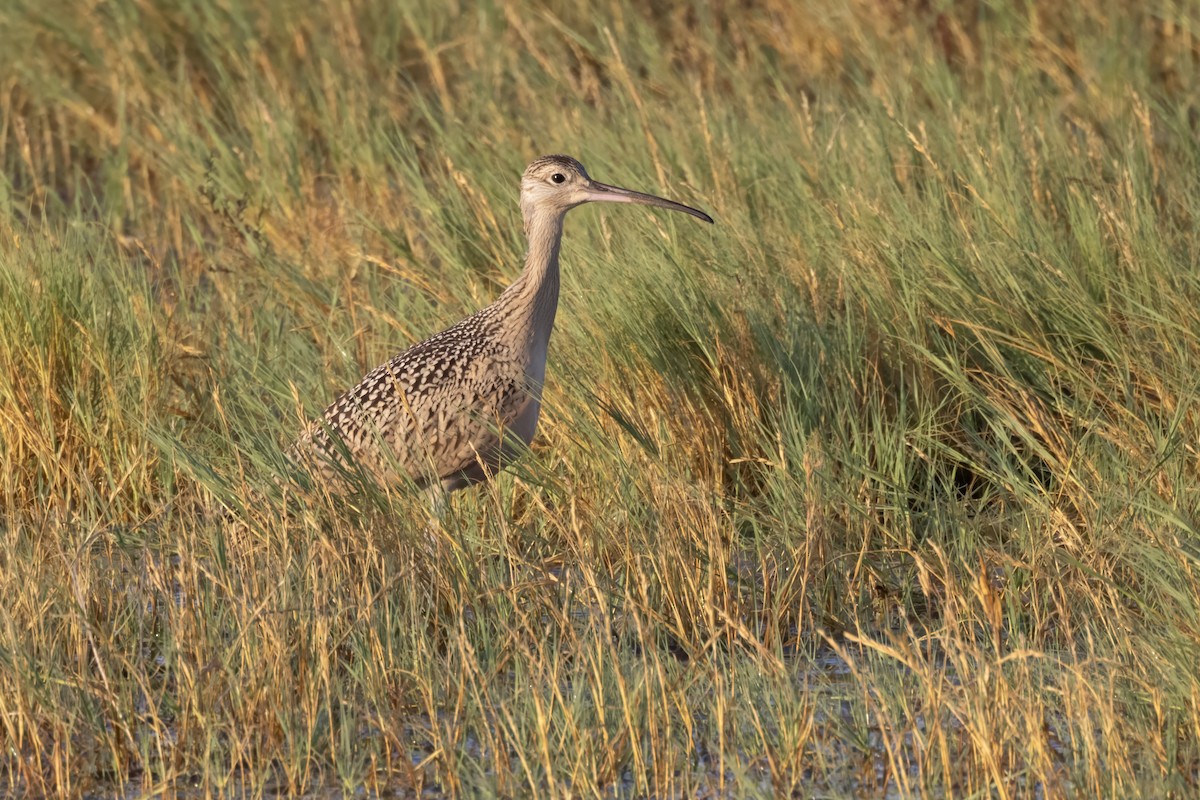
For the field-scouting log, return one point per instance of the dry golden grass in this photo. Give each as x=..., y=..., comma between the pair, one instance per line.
x=886, y=485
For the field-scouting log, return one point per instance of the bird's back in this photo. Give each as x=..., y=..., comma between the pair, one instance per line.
x=435, y=413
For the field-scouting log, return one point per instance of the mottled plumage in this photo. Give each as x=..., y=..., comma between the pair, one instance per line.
x=456, y=407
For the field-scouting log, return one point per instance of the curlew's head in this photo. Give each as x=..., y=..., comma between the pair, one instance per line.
x=553, y=185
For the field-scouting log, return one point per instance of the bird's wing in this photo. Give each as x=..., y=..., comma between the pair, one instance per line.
x=433, y=410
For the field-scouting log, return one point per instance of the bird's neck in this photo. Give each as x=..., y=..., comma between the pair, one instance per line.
x=533, y=297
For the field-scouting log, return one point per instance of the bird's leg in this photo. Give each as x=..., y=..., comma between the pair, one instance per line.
x=436, y=495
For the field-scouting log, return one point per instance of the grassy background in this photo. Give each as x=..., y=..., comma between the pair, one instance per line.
x=886, y=483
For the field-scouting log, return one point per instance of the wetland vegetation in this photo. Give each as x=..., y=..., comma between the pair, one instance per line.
x=885, y=485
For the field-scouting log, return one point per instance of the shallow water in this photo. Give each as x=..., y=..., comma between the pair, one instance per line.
x=852, y=760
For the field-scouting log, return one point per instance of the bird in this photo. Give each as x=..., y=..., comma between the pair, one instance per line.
x=454, y=409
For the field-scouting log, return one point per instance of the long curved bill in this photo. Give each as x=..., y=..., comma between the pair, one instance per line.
x=603, y=193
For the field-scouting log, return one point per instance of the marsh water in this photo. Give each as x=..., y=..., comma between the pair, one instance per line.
x=850, y=751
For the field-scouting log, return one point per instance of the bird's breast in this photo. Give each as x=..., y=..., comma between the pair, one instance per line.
x=525, y=423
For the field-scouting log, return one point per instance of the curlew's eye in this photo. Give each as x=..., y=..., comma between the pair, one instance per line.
x=558, y=177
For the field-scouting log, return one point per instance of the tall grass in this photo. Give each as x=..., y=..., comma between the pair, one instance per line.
x=888, y=483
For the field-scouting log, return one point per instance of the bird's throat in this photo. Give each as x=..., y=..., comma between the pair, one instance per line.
x=533, y=297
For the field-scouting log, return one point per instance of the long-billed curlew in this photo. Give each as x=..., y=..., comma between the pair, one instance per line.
x=451, y=410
